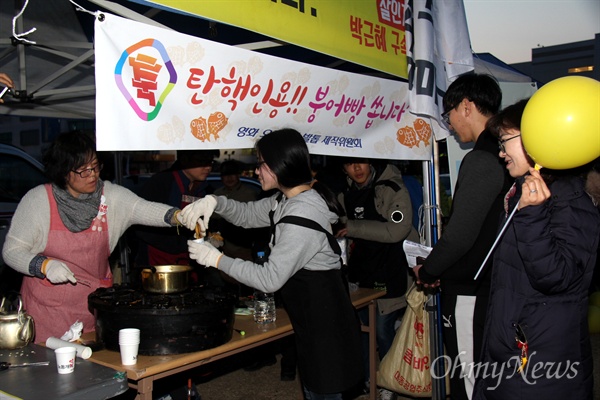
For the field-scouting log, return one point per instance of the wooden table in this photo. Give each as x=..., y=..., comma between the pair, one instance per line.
x=150, y=368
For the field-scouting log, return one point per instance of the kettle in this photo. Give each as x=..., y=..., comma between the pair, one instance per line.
x=17, y=329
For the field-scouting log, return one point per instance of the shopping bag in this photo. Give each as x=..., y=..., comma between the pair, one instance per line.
x=405, y=369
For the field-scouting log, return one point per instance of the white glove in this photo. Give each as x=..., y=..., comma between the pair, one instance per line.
x=58, y=272
x=204, y=253
x=192, y=212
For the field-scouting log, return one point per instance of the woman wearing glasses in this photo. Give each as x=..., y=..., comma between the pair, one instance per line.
x=303, y=262
x=63, y=232
x=536, y=334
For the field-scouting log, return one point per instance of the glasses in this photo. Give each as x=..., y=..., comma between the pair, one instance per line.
x=501, y=143
x=446, y=116
x=89, y=171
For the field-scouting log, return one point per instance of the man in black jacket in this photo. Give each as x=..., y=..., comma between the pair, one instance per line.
x=472, y=227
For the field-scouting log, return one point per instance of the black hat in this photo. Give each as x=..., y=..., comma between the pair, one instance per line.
x=231, y=167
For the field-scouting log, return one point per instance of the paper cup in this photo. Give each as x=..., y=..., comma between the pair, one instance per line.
x=129, y=353
x=129, y=335
x=65, y=359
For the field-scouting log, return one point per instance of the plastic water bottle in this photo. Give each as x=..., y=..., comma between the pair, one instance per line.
x=264, y=303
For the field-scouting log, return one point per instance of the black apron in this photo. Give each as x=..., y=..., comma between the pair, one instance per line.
x=371, y=264
x=326, y=327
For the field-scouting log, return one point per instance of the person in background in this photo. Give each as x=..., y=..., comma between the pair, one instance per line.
x=302, y=262
x=63, y=232
x=378, y=220
x=238, y=241
x=470, y=101
x=181, y=184
x=5, y=80
x=537, y=321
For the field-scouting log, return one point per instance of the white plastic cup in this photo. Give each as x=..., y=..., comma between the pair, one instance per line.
x=129, y=335
x=129, y=353
x=65, y=359
x=129, y=343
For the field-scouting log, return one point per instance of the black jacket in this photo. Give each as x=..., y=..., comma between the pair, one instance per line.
x=474, y=222
x=543, y=267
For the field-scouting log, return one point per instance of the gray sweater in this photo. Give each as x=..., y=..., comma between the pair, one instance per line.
x=296, y=247
x=28, y=233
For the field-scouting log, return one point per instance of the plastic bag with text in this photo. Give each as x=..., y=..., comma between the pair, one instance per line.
x=405, y=369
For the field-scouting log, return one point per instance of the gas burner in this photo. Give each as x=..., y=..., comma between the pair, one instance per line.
x=197, y=319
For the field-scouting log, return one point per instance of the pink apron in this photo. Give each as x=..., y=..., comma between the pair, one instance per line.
x=56, y=307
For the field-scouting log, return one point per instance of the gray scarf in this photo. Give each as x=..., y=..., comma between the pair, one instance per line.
x=77, y=213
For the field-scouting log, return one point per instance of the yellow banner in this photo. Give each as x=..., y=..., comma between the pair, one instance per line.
x=365, y=32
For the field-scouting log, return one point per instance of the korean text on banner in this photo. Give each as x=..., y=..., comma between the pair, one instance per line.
x=162, y=90
x=369, y=33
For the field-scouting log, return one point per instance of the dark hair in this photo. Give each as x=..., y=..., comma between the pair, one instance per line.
x=195, y=158
x=286, y=153
x=230, y=167
x=508, y=118
x=68, y=152
x=482, y=90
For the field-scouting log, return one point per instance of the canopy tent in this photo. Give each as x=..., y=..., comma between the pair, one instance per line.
x=55, y=76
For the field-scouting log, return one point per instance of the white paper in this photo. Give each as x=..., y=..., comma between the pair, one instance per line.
x=82, y=351
x=414, y=250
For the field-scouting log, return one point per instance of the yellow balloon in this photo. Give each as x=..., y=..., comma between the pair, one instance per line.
x=594, y=319
x=560, y=127
x=594, y=299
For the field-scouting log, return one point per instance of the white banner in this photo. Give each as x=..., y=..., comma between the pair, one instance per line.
x=162, y=90
x=438, y=51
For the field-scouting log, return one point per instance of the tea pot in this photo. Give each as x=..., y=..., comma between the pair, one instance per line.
x=17, y=328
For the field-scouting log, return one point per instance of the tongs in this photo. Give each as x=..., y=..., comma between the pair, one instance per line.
x=6, y=365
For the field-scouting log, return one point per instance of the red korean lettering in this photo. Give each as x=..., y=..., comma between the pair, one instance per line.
x=408, y=356
x=321, y=94
x=242, y=88
x=356, y=26
x=368, y=34
x=380, y=41
x=297, y=98
x=145, y=75
x=375, y=105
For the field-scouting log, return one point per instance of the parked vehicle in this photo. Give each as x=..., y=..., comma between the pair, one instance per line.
x=19, y=172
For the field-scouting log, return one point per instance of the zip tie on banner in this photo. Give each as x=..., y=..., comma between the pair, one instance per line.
x=79, y=8
x=19, y=36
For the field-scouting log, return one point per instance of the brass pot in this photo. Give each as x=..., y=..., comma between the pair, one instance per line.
x=17, y=329
x=165, y=279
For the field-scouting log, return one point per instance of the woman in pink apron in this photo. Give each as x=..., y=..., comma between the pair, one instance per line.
x=63, y=232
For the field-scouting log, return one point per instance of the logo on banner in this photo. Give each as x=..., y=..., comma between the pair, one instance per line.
x=145, y=76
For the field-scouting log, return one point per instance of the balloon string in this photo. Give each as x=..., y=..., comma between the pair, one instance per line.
x=497, y=239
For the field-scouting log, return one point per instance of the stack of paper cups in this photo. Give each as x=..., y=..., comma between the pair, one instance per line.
x=129, y=343
x=82, y=351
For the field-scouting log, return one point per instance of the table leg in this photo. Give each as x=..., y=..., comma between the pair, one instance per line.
x=144, y=389
x=372, y=350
